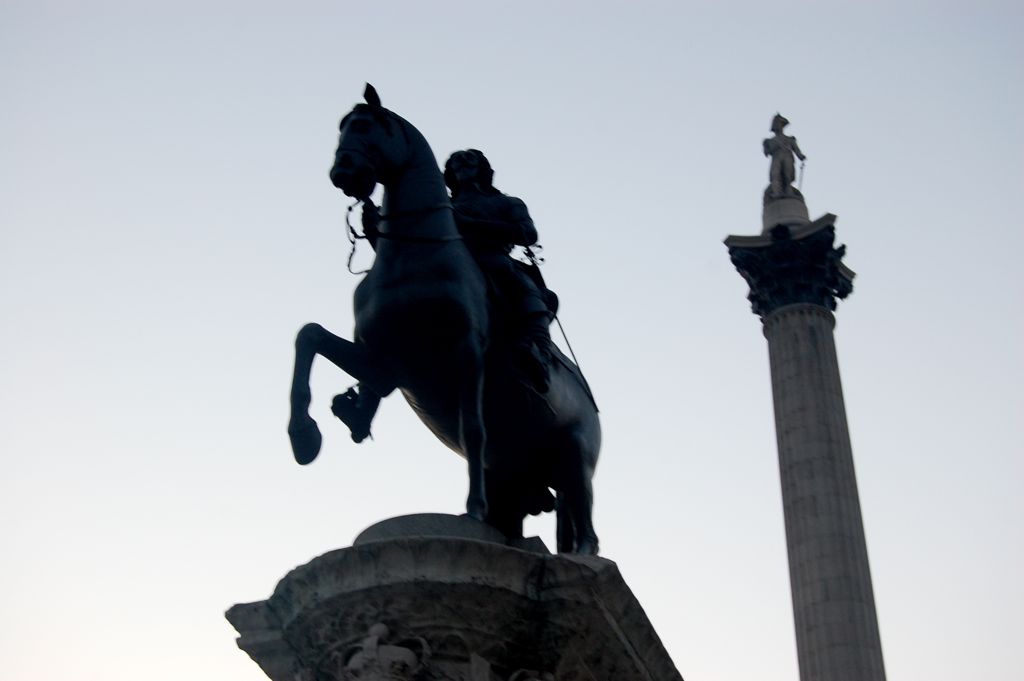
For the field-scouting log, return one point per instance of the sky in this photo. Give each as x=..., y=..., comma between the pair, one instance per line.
x=167, y=225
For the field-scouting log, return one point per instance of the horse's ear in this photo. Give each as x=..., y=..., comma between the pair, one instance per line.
x=371, y=96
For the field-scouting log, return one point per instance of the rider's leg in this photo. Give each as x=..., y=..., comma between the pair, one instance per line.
x=525, y=308
x=534, y=349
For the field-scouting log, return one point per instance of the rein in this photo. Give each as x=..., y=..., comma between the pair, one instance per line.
x=535, y=261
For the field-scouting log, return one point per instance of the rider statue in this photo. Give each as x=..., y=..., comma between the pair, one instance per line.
x=491, y=223
x=781, y=148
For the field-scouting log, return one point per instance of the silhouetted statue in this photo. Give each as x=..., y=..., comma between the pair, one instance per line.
x=781, y=147
x=424, y=325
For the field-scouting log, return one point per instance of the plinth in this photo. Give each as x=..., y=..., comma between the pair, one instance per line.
x=796, y=275
x=445, y=597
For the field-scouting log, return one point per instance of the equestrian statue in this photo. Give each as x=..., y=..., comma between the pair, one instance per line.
x=445, y=316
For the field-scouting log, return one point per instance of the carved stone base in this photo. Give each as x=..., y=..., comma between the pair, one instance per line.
x=446, y=606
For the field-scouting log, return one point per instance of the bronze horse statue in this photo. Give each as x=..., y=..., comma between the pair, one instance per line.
x=423, y=325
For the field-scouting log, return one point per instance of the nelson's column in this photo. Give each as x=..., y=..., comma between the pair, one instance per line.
x=795, y=276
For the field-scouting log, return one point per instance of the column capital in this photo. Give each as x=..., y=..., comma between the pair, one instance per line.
x=791, y=265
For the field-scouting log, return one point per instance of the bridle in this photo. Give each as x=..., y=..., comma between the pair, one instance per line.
x=354, y=237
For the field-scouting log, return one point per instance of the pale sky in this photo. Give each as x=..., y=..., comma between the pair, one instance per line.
x=168, y=225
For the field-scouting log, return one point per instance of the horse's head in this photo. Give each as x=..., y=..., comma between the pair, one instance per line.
x=371, y=145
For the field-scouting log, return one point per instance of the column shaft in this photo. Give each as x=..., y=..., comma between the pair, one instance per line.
x=833, y=603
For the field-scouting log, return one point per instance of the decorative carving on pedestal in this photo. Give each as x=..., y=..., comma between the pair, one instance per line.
x=789, y=266
x=450, y=608
x=375, y=660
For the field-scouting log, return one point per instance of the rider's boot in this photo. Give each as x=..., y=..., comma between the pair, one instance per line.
x=356, y=410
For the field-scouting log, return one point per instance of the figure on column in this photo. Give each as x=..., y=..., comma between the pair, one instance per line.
x=781, y=147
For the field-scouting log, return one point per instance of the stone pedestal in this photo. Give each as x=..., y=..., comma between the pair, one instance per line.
x=791, y=212
x=444, y=597
x=795, y=277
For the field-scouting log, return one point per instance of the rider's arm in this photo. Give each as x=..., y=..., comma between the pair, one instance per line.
x=796, y=149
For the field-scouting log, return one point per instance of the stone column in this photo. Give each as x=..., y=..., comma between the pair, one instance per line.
x=795, y=276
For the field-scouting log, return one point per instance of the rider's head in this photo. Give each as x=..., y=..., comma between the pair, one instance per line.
x=469, y=167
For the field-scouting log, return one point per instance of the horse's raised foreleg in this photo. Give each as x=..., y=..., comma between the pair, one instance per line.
x=313, y=340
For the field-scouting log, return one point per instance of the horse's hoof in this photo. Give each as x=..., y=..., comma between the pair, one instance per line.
x=541, y=502
x=306, y=440
x=478, y=513
x=346, y=407
x=587, y=547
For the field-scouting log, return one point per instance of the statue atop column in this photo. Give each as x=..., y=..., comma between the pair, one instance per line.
x=783, y=203
x=794, y=260
x=782, y=147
